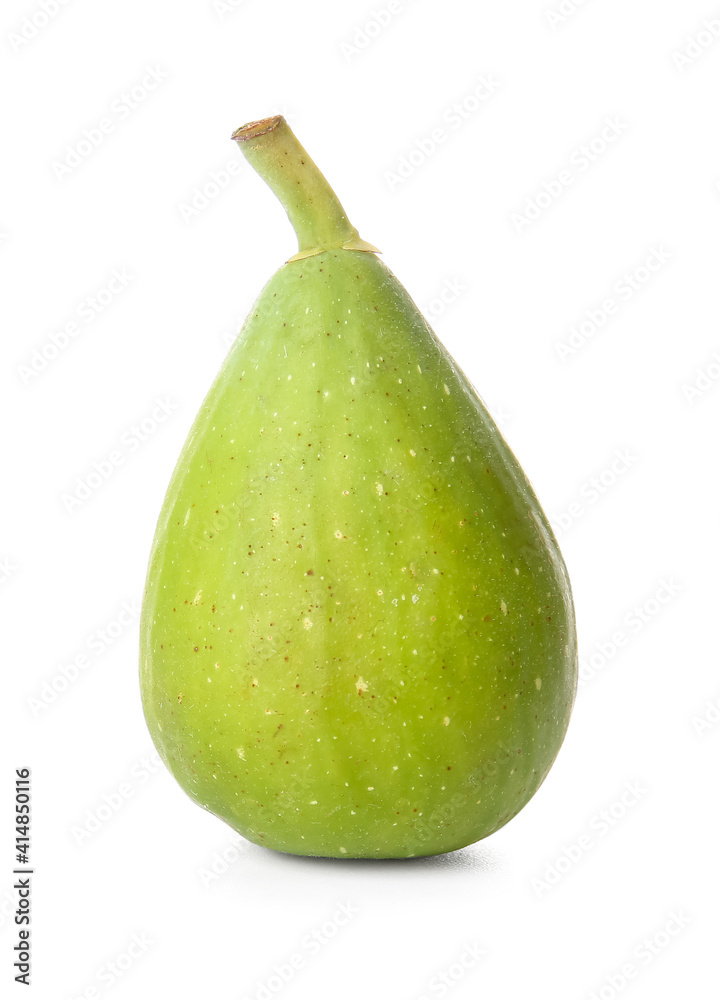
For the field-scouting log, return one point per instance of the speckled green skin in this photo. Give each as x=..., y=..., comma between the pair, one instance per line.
x=357, y=635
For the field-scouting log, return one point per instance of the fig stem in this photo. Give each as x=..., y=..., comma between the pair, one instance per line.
x=319, y=220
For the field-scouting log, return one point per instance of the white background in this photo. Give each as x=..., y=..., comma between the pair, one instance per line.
x=154, y=897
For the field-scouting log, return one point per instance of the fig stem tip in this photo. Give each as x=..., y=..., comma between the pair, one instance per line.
x=254, y=129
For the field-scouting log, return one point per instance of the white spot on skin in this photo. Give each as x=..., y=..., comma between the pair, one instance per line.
x=241, y=753
x=446, y=390
x=338, y=534
x=307, y=624
x=503, y=607
x=196, y=599
x=538, y=682
x=413, y=453
x=379, y=489
x=446, y=720
x=371, y=788
x=361, y=685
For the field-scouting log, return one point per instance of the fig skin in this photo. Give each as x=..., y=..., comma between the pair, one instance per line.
x=358, y=636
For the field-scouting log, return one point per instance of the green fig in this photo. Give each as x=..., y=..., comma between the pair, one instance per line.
x=358, y=636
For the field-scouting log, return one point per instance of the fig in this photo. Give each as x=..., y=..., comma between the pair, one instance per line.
x=358, y=636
